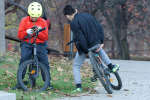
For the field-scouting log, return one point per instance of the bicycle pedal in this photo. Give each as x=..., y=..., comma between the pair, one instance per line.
x=107, y=72
x=25, y=82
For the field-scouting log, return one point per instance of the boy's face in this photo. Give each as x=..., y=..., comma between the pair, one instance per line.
x=34, y=19
x=70, y=17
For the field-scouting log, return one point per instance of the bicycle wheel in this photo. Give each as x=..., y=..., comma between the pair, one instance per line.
x=29, y=81
x=103, y=78
x=115, y=81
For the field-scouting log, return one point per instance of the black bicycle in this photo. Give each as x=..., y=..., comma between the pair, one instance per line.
x=36, y=75
x=108, y=79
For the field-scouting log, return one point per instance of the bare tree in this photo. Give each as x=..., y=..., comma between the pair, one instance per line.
x=2, y=27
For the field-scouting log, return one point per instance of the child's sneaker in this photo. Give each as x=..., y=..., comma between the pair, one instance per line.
x=50, y=87
x=116, y=68
x=77, y=90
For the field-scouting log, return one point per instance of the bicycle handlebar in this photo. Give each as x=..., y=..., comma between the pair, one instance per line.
x=70, y=42
x=36, y=34
x=39, y=30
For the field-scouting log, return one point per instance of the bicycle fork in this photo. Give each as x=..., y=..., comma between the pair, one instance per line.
x=36, y=60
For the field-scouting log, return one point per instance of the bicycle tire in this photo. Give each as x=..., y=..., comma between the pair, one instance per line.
x=41, y=67
x=119, y=86
x=95, y=63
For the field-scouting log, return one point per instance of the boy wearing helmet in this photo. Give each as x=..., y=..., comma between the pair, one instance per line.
x=34, y=11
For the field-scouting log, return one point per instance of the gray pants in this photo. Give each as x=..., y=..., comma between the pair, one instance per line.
x=79, y=59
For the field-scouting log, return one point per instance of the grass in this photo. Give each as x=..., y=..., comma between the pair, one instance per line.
x=61, y=74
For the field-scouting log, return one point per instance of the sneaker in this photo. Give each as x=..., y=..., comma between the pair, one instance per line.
x=116, y=68
x=77, y=90
x=16, y=87
x=50, y=87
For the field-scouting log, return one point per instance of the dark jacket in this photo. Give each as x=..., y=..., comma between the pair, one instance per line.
x=47, y=21
x=87, y=32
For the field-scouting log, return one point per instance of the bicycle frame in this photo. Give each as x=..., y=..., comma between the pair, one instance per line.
x=101, y=67
x=34, y=47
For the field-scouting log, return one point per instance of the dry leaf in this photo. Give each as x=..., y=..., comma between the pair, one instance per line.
x=93, y=90
x=43, y=94
x=5, y=78
x=5, y=65
x=57, y=91
x=49, y=93
x=32, y=97
x=7, y=89
x=66, y=79
x=126, y=90
x=60, y=69
x=55, y=78
x=135, y=83
x=109, y=96
x=7, y=72
x=62, y=60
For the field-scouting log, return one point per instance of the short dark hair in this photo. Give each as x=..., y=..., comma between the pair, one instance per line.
x=68, y=10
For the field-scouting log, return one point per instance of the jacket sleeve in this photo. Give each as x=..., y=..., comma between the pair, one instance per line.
x=43, y=36
x=49, y=24
x=22, y=30
x=101, y=32
x=80, y=38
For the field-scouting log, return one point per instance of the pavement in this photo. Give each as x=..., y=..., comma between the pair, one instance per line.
x=7, y=96
x=135, y=77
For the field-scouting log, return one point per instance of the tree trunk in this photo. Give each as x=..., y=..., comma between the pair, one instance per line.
x=118, y=53
x=124, y=42
x=117, y=23
x=2, y=27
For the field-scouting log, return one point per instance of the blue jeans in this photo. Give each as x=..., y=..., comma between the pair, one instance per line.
x=26, y=53
x=45, y=43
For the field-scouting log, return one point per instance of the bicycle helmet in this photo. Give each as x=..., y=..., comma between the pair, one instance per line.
x=35, y=9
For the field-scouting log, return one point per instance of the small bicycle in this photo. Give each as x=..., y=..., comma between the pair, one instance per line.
x=109, y=80
x=33, y=79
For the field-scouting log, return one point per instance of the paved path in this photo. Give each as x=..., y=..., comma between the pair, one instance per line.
x=135, y=77
x=7, y=96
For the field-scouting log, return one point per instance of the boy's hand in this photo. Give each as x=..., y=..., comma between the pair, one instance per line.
x=38, y=27
x=101, y=45
x=29, y=31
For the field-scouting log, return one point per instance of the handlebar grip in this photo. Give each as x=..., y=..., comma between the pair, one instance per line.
x=100, y=21
x=42, y=29
x=69, y=42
